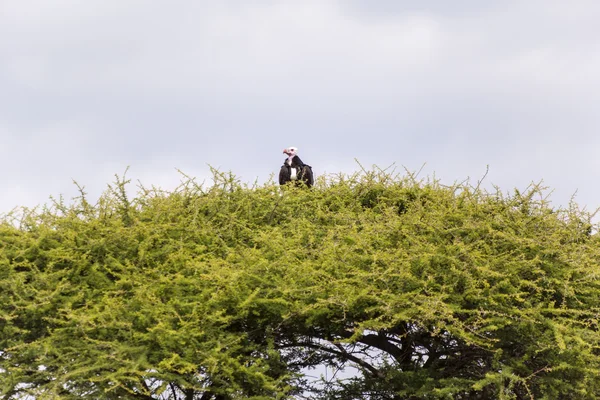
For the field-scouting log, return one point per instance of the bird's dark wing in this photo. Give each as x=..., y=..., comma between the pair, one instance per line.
x=297, y=162
x=284, y=175
x=307, y=175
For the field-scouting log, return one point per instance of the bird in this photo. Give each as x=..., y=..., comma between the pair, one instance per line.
x=294, y=170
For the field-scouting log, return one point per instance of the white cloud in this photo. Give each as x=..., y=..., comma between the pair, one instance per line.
x=158, y=85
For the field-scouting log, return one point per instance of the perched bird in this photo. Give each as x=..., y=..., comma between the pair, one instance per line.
x=294, y=170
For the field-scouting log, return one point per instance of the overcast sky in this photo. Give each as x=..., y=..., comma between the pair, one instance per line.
x=90, y=87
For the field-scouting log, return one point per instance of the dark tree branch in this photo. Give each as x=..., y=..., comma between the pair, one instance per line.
x=206, y=395
x=189, y=394
x=382, y=343
x=173, y=390
x=342, y=354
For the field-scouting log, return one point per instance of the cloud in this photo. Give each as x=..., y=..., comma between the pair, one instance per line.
x=98, y=85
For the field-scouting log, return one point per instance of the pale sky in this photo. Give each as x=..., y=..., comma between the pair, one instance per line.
x=90, y=87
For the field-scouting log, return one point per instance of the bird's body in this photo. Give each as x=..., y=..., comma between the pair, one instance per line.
x=294, y=170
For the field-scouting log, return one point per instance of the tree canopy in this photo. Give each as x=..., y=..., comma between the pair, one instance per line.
x=418, y=290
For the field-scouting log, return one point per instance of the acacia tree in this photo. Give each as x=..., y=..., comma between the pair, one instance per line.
x=425, y=291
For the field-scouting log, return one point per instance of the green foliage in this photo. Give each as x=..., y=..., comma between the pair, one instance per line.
x=229, y=291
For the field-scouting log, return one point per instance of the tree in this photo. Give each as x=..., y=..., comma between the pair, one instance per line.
x=425, y=291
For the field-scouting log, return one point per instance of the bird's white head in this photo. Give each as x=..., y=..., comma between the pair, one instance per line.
x=290, y=151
